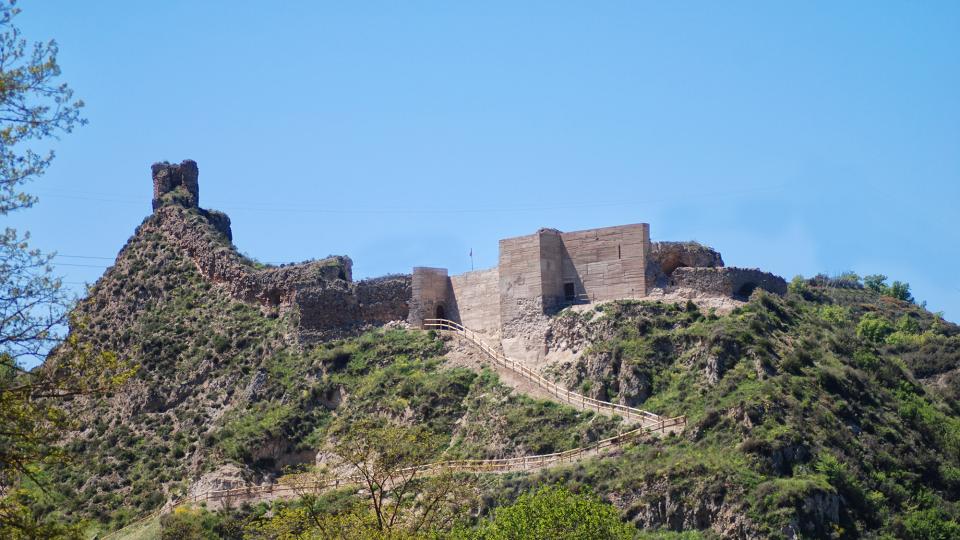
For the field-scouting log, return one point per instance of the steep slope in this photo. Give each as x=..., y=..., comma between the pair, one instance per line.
x=804, y=418
x=228, y=392
x=827, y=412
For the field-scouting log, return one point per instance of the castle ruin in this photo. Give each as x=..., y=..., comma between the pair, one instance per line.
x=537, y=275
x=541, y=273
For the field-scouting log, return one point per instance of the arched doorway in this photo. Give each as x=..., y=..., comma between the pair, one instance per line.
x=441, y=313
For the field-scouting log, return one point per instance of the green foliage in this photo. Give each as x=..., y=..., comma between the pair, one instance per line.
x=34, y=106
x=834, y=314
x=875, y=282
x=874, y=328
x=556, y=513
x=186, y=523
x=930, y=524
x=797, y=285
x=898, y=289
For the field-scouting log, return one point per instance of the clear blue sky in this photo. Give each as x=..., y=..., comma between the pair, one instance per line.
x=798, y=137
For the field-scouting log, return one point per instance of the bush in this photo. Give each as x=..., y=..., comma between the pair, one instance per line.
x=557, y=513
x=930, y=524
x=834, y=314
x=797, y=285
x=874, y=327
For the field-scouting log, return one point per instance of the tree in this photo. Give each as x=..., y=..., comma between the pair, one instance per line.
x=898, y=289
x=875, y=282
x=403, y=499
x=34, y=107
x=557, y=513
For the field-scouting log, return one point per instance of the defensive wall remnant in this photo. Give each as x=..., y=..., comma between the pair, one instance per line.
x=321, y=294
x=537, y=274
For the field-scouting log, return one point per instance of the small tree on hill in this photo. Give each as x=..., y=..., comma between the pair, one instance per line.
x=402, y=499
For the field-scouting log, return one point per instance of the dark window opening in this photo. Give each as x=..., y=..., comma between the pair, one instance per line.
x=569, y=292
x=441, y=314
x=618, y=251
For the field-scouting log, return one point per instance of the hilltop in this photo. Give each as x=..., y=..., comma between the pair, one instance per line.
x=826, y=411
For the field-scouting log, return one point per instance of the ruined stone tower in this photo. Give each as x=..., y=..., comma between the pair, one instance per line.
x=176, y=183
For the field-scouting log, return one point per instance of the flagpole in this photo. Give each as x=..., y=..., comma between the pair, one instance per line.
x=471, y=259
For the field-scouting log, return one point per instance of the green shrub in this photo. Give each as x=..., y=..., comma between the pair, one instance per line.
x=874, y=328
x=930, y=524
x=834, y=314
x=556, y=513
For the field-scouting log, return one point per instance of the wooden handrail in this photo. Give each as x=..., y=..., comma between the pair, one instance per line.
x=503, y=465
x=647, y=419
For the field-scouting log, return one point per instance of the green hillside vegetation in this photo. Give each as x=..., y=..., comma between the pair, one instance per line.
x=802, y=420
x=828, y=412
x=818, y=421
x=218, y=381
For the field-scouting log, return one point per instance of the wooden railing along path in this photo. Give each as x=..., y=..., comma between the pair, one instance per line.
x=286, y=490
x=648, y=420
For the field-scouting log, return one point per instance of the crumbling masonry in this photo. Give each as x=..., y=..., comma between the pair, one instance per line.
x=537, y=274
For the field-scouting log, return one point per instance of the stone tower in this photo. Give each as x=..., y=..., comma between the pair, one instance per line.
x=178, y=180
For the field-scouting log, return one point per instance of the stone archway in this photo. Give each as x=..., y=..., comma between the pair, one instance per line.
x=440, y=312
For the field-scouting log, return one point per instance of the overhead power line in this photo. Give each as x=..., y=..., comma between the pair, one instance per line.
x=339, y=209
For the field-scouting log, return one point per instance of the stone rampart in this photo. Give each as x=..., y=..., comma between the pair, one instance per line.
x=475, y=301
x=521, y=282
x=321, y=294
x=665, y=257
x=430, y=290
x=176, y=184
x=733, y=282
x=607, y=263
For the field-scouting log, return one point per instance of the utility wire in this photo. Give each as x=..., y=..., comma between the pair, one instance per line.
x=245, y=207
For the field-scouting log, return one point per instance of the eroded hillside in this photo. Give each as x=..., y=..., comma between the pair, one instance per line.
x=226, y=393
x=829, y=411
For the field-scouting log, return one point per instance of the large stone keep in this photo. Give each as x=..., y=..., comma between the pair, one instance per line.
x=537, y=274
x=541, y=273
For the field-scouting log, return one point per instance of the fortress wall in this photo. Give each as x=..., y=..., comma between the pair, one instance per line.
x=475, y=301
x=607, y=263
x=727, y=281
x=552, y=254
x=520, y=280
x=430, y=287
x=384, y=299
